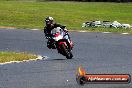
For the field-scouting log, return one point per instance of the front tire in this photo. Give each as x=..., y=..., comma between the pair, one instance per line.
x=69, y=55
x=67, y=52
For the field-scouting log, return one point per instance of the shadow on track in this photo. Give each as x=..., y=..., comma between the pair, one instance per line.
x=57, y=59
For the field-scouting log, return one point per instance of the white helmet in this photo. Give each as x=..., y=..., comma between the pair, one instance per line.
x=49, y=19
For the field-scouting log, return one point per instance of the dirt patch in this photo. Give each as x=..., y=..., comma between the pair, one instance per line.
x=8, y=27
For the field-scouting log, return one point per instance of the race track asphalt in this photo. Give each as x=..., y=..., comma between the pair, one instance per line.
x=98, y=53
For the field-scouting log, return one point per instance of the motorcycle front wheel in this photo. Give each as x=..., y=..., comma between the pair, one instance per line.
x=67, y=52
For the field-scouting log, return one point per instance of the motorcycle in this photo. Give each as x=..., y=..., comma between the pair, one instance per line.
x=62, y=42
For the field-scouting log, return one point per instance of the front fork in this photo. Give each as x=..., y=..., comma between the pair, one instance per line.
x=69, y=40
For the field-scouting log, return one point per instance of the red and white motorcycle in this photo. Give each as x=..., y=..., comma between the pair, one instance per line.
x=62, y=42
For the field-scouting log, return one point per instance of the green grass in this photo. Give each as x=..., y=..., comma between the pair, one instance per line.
x=12, y=56
x=73, y=14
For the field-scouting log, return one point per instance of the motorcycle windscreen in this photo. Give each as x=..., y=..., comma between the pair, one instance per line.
x=57, y=33
x=56, y=30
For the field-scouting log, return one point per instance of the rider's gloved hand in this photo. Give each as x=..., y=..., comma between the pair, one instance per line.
x=47, y=37
x=65, y=30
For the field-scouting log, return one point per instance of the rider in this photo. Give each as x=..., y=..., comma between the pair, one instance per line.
x=50, y=24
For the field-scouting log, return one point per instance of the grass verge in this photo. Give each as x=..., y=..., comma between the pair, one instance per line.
x=13, y=56
x=23, y=14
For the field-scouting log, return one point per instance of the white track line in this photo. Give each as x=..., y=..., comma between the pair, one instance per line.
x=35, y=29
x=106, y=32
x=125, y=33
x=82, y=31
x=87, y=31
x=39, y=57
